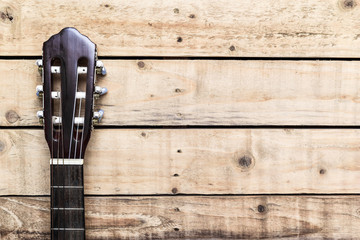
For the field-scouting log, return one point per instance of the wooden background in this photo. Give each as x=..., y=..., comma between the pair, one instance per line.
x=224, y=119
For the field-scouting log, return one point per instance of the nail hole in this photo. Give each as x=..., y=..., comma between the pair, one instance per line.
x=176, y=209
x=143, y=134
x=176, y=229
x=141, y=64
x=179, y=151
x=176, y=175
x=179, y=39
x=176, y=10
x=232, y=48
x=178, y=90
x=192, y=16
x=322, y=171
x=174, y=190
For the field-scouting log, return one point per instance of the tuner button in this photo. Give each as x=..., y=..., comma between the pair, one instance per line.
x=100, y=69
x=98, y=116
x=39, y=90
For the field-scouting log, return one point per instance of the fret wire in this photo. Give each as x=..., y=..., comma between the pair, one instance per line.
x=68, y=229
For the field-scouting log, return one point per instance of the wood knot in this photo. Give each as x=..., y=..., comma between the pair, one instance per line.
x=348, y=4
x=245, y=162
x=6, y=15
x=141, y=64
x=11, y=116
x=261, y=209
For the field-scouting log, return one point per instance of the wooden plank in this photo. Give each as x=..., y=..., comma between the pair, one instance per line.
x=256, y=28
x=185, y=92
x=186, y=217
x=199, y=161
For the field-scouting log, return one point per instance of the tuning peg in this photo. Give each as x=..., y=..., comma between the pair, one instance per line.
x=39, y=91
x=40, y=115
x=99, y=91
x=39, y=63
x=100, y=69
x=98, y=116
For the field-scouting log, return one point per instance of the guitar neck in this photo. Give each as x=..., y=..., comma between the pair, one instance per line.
x=67, y=201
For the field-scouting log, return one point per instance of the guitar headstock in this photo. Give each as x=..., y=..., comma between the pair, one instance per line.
x=69, y=66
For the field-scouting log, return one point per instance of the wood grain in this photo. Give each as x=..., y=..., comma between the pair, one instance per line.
x=256, y=28
x=199, y=161
x=212, y=92
x=187, y=217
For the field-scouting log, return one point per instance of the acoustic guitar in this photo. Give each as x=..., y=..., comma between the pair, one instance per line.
x=69, y=66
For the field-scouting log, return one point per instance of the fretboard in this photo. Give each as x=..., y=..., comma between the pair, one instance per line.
x=67, y=202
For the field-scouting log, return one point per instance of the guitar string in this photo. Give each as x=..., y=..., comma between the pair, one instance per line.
x=72, y=122
x=82, y=132
x=52, y=166
x=62, y=148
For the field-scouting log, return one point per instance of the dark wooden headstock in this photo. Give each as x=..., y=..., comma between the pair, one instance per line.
x=69, y=68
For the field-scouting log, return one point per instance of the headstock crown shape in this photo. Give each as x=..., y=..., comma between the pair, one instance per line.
x=69, y=67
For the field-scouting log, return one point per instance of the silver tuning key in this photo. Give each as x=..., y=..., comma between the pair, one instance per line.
x=98, y=116
x=100, y=69
x=40, y=115
x=99, y=91
x=39, y=63
x=39, y=91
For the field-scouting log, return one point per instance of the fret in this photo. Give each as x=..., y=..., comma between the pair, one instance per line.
x=68, y=209
x=68, y=229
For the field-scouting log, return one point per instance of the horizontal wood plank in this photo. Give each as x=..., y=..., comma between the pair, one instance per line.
x=199, y=161
x=185, y=217
x=186, y=92
x=256, y=28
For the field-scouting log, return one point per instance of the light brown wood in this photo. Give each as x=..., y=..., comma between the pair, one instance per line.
x=185, y=92
x=256, y=28
x=253, y=217
x=200, y=161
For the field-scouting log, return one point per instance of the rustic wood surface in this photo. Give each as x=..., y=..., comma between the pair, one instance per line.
x=200, y=161
x=212, y=92
x=193, y=217
x=254, y=28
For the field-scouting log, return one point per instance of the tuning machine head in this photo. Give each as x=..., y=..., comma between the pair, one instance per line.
x=39, y=91
x=99, y=91
x=39, y=63
x=40, y=115
x=98, y=116
x=100, y=69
